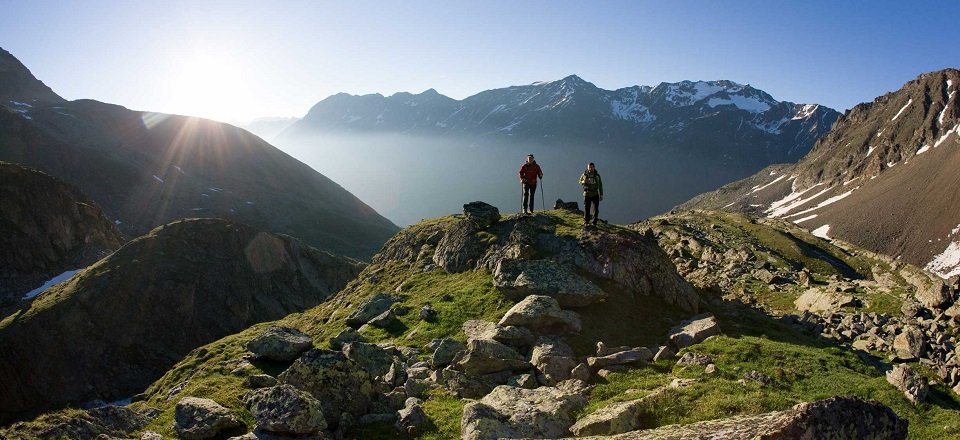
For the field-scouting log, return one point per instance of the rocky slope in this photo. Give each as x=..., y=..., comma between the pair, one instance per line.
x=550, y=331
x=46, y=229
x=117, y=325
x=146, y=169
x=660, y=145
x=883, y=178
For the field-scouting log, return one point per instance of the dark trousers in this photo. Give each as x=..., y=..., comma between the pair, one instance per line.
x=587, y=201
x=528, y=197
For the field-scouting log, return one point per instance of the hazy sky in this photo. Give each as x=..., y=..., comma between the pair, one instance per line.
x=236, y=60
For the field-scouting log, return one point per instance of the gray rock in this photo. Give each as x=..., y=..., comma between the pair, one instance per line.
x=938, y=295
x=340, y=384
x=371, y=308
x=910, y=344
x=468, y=385
x=832, y=418
x=663, y=352
x=412, y=419
x=694, y=330
x=446, y=349
x=481, y=214
x=485, y=356
x=345, y=336
x=201, y=419
x=527, y=381
x=261, y=381
x=581, y=372
x=542, y=314
x=910, y=382
x=371, y=357
x=553, y=359
x=628, y=357
x=604, y=349
x=613, y=419
x=284, y=409
x=817, y=300
x=694, y=358
x=428, y=313
x=280, y=344
x=460, y=248
x=383, y=320
x=509, y=412
x=519, y=278
x=514, y=336
x=756, y=376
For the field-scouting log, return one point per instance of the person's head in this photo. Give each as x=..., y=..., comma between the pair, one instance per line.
x=591, y=168
x=529, y=158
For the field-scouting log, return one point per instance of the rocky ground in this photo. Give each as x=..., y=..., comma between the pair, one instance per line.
x=487, y=326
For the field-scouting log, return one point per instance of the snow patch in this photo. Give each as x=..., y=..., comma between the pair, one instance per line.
x=761, y=188
x=806, y=111
x=50, y=283
x=631, y=111
x=826, y=202
x=954, y=130
x=822, y=232
x=117, y=222
x=809, y=217
x=947, y=263
x=869, y=151
x=902, y=109
x=748, y=103
x=789, y=203
x=923, y=149
x=158, y=178
x=215, y=189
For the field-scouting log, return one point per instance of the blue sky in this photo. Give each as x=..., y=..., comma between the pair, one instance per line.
x=236, y=60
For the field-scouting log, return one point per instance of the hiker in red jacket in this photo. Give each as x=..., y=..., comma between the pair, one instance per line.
x=529, y=173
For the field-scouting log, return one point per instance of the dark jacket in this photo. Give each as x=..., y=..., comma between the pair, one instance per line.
x=592, y=184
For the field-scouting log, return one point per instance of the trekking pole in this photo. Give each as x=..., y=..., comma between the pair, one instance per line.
x=543, y=203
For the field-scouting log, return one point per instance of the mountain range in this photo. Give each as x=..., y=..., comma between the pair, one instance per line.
x=146, y=169
x=884, y=178
x=656, y=146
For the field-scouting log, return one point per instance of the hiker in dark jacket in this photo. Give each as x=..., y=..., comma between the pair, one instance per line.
x=529, y=173
x=592, y=193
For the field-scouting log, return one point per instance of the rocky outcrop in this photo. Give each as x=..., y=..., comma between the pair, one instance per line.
x=508, y=412
x=280, y=344
x=112, y=421
x=519, y=278
x=542, y=314
x=370, y=309
x=46, y=228
x=202, y=419
x=694, y=331
x=285, y=410
x=613, y=419
x=833, y=418
x=338, y=383
x=818, y=300
x=179, y=287
x=906, y=379
x=486, y=356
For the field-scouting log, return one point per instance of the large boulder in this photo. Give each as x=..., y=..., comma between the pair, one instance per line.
x=341, y=385
x=485, y=356
x=201, y=419
x=832, y=418
x=938, y=295
x=280, y=344
x=371, y=357
x=694, y=330
x=519, y=278
x=542, y=314
x=445, y=351
x=617, y=418
x=284, y=409
x=818, y=300
x=468, y=385
x=517, y=337
x=509, y=412
x=910, y=343
x=481, y=214
x=635, y=357
x=910, y=382
x=553, y=359
x=370, y=309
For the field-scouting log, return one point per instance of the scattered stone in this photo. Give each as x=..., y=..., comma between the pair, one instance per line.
x=694, y=330
x=710, y=369
x=201, y=419
x=681, y=383
x=613, y=419
x=756, y=376
x=446, y=349
x=261, y=381
x=509, y=412
x=939, y=295
x=911, y=308
x=280, y=344
x=514, y=336
x=284, y=409
x=603, y=349
x=910, y=344
x=370, y=309
x=694, y=358
x=337, y=382
x=371, y=357
x=542, y=314
x=910, y=382
x=664, y=352
x=632, y=357
x=481, y=214
x=346, y=336
x=553, y=359
x=485, y=356
x=384, y=320
x=412, y=419
x=428, y=313
x=581, y=372
x=519, y=278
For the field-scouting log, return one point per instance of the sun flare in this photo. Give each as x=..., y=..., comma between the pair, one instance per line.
x=210, y=85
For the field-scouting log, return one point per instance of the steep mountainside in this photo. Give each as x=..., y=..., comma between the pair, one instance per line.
x=656, y=146
x=885, y=178
x=117, y=325
x=454, y=307
x=46, y=228
x=146, y=169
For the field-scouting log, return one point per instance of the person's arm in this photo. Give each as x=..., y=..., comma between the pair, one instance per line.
x=521, y=172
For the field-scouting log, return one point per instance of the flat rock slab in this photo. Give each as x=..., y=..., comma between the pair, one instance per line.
x=519, y=278
x=201, y=419
x=543, y=315
x=280, y=344
x=509, y=412
x=694, y=330
x=833, y=418
x=370, y=309
x=816, y=300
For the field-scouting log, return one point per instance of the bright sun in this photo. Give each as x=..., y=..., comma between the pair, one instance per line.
x=210, y=85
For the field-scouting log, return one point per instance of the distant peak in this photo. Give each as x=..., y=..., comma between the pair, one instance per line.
x=429, y=92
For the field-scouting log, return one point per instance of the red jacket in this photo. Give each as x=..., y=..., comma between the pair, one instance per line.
x=529, y=173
